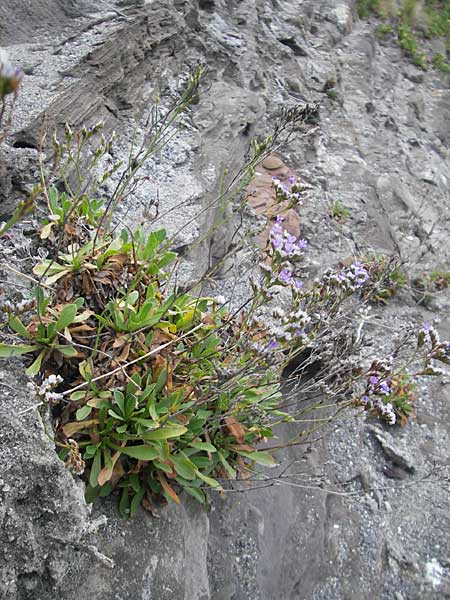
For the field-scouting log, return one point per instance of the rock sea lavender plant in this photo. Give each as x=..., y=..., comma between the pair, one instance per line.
x=155, y=391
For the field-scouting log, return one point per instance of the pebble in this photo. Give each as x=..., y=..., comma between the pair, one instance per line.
x=272, y=162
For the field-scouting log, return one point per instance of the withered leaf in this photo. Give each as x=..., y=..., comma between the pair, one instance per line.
x=119, y=341
x=235, y=428
x=244, y=447
x=124, y=354
x=71, y=428
x=168, y=488
x=106, y=473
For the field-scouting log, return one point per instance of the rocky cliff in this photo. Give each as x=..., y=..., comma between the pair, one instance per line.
x=366, y=513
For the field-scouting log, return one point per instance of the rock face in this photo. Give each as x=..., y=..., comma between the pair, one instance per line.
x=368, y=515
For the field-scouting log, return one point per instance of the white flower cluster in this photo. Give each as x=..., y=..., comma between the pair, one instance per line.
x=45, y=389
x=291, y=193
x=384, y=410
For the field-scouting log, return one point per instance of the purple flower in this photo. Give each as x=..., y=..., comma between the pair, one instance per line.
x=285, y=276
x=373, y=380
x=385, y=388
x=276, y=230
x=291, y=180
x=272, y=345
x=280, y=219
x=301, y=244
x=365, y=399
x=277, y=242
x=288, y=247
x=298, y=284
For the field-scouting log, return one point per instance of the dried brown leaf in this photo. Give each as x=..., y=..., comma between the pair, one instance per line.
x=168, y=488
x=106, y=473
x=235, y=428
x=70, y=428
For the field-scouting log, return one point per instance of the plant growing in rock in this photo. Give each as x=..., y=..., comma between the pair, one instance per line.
x=386, y=276
x=428, y=285
x=154, y=391
x=413, y=22
x=339, y=212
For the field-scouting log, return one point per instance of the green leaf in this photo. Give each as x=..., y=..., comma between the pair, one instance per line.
x=10, y=350
x=148, y=423
x=136, y=501
x=105, y=490
x=79, y=302
x=113, y=414
x=162, y=379
x=83, y=412
x=76, y=396
x=134, y=383
x=145, y=310
x=124, y=503
x=119, y=399
x=162, y=466
x=95, y=469
x=66, y=317
x=53, y=198
x=154, y=240
x=91, y=450
x=91, y=493
x=228, y=468
x=201, y=462
x=85, y=369
x=203, y=446
x=16, y=324
x=262, y=458
x=184, y=467
x=35, y=367
x=134, y=481
x=211, y=482
x=195, y=493
x=132, y=298
x=167, y=259
x=163, y=433
x=141, y=452
x=69, y=351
